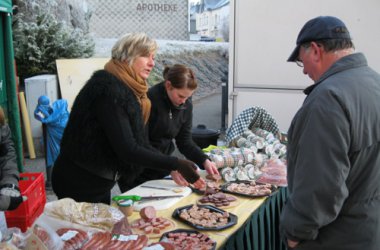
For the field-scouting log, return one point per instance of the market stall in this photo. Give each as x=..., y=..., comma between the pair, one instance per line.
x=256, y=221
x=239, y=211
x=243, y=211
x=256, y=227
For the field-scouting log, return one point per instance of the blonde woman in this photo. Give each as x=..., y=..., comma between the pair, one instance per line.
x=105, y=135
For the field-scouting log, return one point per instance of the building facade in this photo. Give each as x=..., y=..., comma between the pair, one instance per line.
x=212, y=19
x=159, y=19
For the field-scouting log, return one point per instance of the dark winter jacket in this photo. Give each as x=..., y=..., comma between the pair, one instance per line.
x=334, y=161
x=167, y=122
x=8, y=167
x=105, y=132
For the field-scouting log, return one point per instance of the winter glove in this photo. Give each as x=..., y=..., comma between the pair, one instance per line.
x=15, y=202
x=188, y=170
x=10, y=190
x=13, y=193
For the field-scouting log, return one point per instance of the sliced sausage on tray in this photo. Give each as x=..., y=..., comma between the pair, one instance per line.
x=148, y=213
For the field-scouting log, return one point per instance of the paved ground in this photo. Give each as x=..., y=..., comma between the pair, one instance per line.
x=206, y=111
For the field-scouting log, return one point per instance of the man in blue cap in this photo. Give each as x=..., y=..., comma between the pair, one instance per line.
x=334, y=145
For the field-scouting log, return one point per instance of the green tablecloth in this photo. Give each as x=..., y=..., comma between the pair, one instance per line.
x=261, y=230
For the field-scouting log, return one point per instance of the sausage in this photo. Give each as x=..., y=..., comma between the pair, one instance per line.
x=70, y=244
x=102, y=240
x=61, y=231
x=165, y=245
x=82, y=238
x=213, y=177
x=148, y=213
x=129, y=244
x=97, y=241
x=113, y=244
x=89, y=243
x=141, y=242
x=156, y=230
x=77, y=239
x=148, y=229
x=190, y=241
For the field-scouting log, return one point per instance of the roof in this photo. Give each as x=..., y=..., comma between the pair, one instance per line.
x=207, y=5
x=215, y=4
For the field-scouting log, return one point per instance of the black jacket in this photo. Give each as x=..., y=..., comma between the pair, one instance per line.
x=8, y=167
x=166, y=122
x=105, y=132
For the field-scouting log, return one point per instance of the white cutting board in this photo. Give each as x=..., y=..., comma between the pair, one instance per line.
x=158, y=204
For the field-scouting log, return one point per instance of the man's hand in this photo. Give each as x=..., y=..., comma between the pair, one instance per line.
x=210, y=167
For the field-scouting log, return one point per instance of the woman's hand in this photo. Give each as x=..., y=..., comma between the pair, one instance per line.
x=178, y=179
x=210, y=167
x=292, y=243
x=200, y=184
x=189, y=171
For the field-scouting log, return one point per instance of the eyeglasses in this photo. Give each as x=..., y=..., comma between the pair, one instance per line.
x=299, y=63
x=306, y=46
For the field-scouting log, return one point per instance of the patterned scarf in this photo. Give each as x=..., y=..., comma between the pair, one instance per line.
x=129, y=77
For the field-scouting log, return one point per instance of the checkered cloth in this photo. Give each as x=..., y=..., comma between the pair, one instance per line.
x=249, y=118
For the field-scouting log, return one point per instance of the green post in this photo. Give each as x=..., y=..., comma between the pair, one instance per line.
x=10, y=82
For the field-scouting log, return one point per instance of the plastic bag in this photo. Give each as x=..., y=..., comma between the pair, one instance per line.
x=55, y=117
x=94, y=215
x=13, y=238
x=43, y=237
x=274, y=172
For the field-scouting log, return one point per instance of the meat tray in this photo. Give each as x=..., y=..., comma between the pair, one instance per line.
x=200, y=191
x=165, y=236
x=226, y=185
x=232, y=219
x=197, y=191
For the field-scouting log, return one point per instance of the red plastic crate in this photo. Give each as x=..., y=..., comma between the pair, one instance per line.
x=32, y=185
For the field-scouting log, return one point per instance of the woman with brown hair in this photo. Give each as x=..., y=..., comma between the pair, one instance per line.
x=171, y=118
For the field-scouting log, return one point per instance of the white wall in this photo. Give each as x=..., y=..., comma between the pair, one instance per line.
x=264, y=33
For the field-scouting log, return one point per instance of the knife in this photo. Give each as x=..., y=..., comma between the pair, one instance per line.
x=161, y=188
x=143, y=198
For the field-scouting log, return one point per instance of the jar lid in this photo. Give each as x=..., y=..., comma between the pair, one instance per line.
x=202, y=131
x=125, y=203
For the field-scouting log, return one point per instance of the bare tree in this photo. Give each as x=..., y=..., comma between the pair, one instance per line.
x=225, y=29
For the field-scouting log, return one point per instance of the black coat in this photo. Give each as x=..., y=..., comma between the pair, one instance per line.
x=166, y=123
x=105, y=134
x=8, y=166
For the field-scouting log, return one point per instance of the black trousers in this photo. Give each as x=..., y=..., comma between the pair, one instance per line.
x=71, y=181
x=126, y=184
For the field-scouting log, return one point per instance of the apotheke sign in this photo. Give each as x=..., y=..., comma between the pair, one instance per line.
x=157, y=7
x=160, y=19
